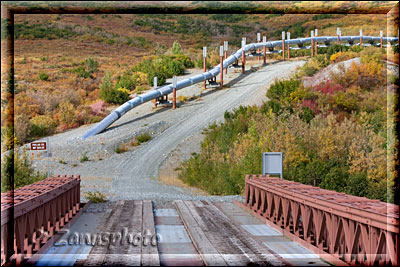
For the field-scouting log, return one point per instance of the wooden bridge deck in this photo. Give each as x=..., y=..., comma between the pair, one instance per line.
x=186, y=233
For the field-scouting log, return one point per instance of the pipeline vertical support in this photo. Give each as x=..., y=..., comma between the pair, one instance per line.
x=226, y=53
x=283, y=45
x=155, y=87
x=264, y=41
x=312, y=43
x=288, y=46
x=174, y=93
x=243, y=55
x=221, y=59
x=316, y=45
x=258, y=40
x=204, y=64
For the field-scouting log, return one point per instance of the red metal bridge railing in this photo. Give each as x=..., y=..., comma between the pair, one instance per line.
x=341, y=228
x=35, y=212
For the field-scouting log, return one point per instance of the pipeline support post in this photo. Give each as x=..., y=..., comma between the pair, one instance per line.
x=265, y=50
x=258, y=40
x=288, y=46
x=243, y=55
x=312, y=43
x=221, y=58
x=316, y=45
x=174, y=93
x=226, y=53
x=360, y=37
x=204, y=64
x=283, y=45
x=155, y=87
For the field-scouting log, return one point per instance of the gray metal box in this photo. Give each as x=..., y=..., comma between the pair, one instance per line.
x=272, y=163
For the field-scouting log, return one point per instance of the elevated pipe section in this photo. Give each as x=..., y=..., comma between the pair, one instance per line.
x=167, y=89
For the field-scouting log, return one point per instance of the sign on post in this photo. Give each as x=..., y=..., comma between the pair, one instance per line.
x=225, y=45
x=316, y=32
x=288, y=35
x=258, y=37
x=204, y=51
x=42, y=146
x=272, y=163
x=283, y=35
x=264, y=39
x=221, y=51
x=155, y=82
x=39, y=146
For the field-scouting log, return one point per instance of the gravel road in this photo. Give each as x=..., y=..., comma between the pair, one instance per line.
x=134, y=174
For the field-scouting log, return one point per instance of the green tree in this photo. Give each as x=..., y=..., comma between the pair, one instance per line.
x=176, y=48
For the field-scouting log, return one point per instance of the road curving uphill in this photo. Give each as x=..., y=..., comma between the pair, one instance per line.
x=132, y=175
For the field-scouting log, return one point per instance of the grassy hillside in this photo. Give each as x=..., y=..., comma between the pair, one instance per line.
x=61, y=60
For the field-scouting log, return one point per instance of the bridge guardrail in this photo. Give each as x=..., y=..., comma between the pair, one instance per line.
x=341, y=228
x=35, y=212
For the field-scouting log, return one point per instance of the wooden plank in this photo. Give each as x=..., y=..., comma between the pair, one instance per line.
x=97, y=254
x=150, y=255
x=227, y=245
x=257, y=248
x=119, y=246
x=133, y=254
x=207, y=251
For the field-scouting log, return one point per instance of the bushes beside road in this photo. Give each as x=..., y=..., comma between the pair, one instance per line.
x=333, y=135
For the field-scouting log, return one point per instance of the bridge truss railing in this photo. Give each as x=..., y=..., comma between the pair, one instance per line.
x=34, y=213
x=341, y=228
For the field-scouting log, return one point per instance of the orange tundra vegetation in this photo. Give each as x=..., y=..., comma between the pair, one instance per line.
x=61, y=60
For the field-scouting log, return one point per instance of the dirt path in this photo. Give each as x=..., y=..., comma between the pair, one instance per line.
x=132, y=175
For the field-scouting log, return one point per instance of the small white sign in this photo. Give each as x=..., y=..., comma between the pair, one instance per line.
x=283, y=35
x=272, y=163
x=205, y=51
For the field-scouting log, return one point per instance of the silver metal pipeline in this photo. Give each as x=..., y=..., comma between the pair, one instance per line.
x=167, y=89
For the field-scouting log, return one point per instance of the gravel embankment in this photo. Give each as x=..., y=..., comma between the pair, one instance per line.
x=134, y=174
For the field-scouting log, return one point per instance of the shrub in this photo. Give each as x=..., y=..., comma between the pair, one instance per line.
x=121, y=149
x=126, y=81
x=21, y=169
x=96, y=197
x=66, y=114
x=176, y=48
x=98, y=108
x=42, y=125
x=84, y=157
x=111, y=95
x=161, y=77
x=144, y=137
x=371, y=54
x=43, y=76
x=282, y=89
x=307, y=115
